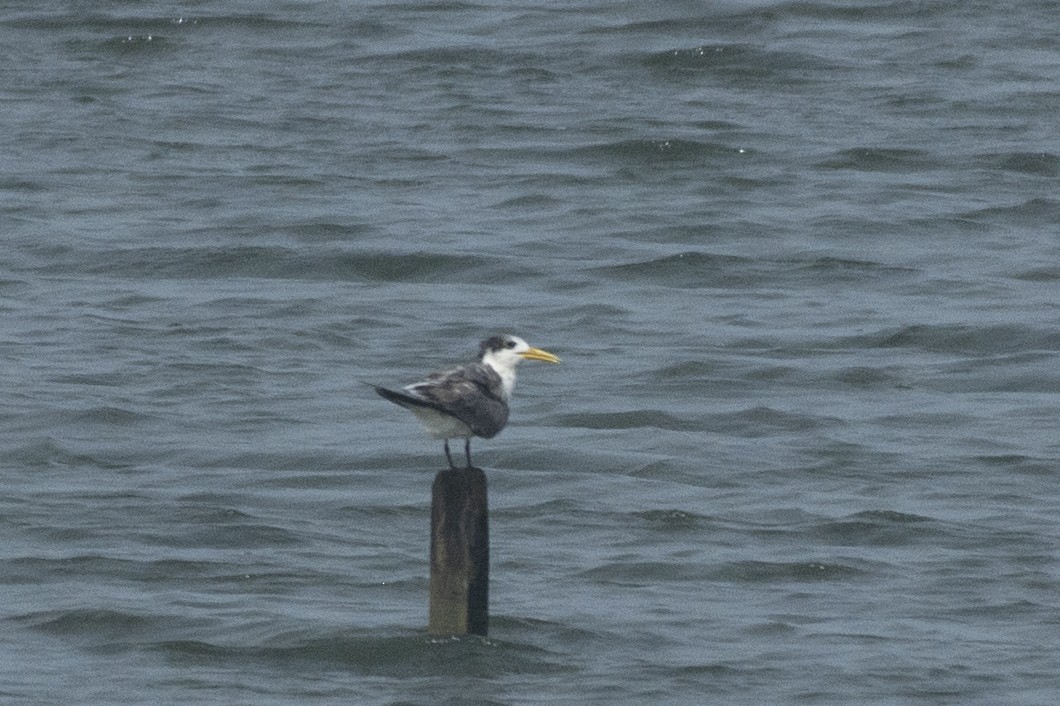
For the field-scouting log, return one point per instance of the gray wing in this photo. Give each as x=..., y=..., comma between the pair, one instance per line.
x=471, y=393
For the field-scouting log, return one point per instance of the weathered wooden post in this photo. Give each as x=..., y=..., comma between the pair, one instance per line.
x=460, y=553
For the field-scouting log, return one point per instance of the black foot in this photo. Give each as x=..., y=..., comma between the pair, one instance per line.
x=467, y=452
x=448, y=457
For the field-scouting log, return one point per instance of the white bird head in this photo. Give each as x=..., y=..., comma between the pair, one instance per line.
x=504, y=352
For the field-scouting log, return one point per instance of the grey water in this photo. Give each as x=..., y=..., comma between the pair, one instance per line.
x=801, y=261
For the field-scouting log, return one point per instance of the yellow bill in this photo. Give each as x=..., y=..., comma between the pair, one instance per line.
x=538, y=354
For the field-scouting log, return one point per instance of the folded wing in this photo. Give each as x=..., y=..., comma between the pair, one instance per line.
x=470, y=393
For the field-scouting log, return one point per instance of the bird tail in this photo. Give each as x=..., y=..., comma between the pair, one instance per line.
x=402, y=399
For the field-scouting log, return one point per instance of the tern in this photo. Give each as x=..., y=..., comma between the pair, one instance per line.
x=469, y=400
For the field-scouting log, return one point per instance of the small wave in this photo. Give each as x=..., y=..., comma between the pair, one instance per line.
x=23, y=185
x=686, y=371
x=671, y=520
x=138, y=43
x=638, y=419
x=643, y=153
x=110, y=415
x=870, y=159
x=738, y=62
x=594, y=317
x=1036, y=163
x=861, y=376
x=242, y=535
x=1018, y=463
x=890, y=517
x=1007, y=612
x=453, y=58
x=36, y=570
x=108, y=629
x=529, y=202
x=853, y=12
x=402, y=656
x=841, y=264
x=47, y=452
x=285, y=263
x=959, y=338
x=1037, y=212
x=645, y=573
x=81, y=22
x=322, y=462
x=933, y=420
x=781, y=572
x=684, y=270
x=697, y=269
x=95, y=622
x=875, y=528
x=1048, y=273
x=764, y=421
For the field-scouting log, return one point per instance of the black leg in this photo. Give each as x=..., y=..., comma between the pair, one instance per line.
x=467, y=450
x=447, y=456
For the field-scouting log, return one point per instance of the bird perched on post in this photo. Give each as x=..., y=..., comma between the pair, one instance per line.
x=472, y=399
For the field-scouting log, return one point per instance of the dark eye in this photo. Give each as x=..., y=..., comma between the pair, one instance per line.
x=509, y=344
